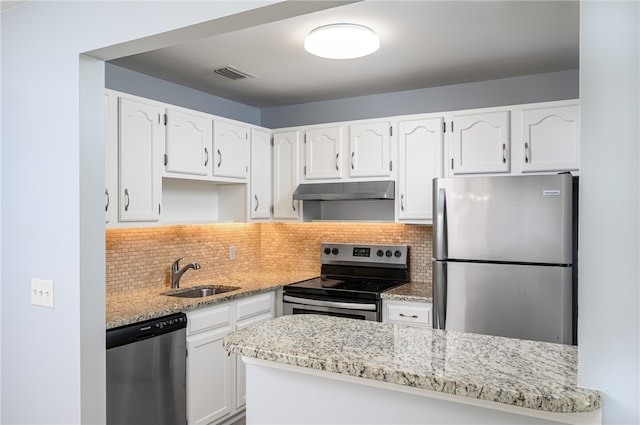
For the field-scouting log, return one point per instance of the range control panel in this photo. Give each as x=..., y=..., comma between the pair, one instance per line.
x=332, y=253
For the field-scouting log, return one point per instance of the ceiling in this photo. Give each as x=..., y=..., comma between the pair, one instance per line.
x=423, y=44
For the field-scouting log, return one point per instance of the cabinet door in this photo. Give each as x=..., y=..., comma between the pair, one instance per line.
x=241, y=368
x=111, y=158
x=188, y=143
x=260, y=201
x=551, y=138
x=370, y=150
x=322, y=153
x=140, y=147
x=285, y=174
x=420, y=161
x=481, y=143
x=208, y=377
x=231, y=146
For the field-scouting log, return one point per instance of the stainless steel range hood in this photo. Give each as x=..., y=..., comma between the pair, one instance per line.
x=345, y=191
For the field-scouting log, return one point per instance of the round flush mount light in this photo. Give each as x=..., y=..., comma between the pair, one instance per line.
x=341, y=41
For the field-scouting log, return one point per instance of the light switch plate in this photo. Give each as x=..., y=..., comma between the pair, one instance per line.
x=42, y=292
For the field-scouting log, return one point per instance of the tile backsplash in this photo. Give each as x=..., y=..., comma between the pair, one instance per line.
x=141, y=258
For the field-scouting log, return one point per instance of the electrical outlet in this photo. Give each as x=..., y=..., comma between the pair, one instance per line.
x=232, y=253
x=42, y=292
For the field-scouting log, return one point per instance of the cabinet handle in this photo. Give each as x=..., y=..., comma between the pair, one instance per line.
x=504, y=153
x=337, y=163
x=106, y=194
x=126, y=199
x=293, y=205
x=402, y=201
x=219, y=158
x=257, y=202
x=526, y=152
x=413, y=316
x=206, y=160
x=352, y=157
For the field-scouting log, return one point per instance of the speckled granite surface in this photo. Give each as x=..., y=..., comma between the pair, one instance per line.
x=412, y=291
x=528, y=374
x=148, y=304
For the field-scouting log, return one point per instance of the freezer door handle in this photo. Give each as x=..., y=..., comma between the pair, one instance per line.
x=439, y=311
x=441, y=225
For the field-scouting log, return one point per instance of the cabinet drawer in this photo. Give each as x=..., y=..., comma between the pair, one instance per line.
x=210, y=318
x=409, y=313
x=254, y=305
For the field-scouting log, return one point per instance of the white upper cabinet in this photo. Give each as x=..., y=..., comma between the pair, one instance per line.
x=140, y=145
x=285, y=174
x=188, y=143
x=111, y=158
x=370, y=150
x=260, y=199
x=481, y=142
x=420, y=145
x=231, y=150
x=323, y=150
x=550, y=138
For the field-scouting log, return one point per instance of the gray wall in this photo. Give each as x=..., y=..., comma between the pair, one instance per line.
x=506, y=91
x=121, y=79
x=560, y=85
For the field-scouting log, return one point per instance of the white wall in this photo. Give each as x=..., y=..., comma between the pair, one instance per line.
x=52, y=174
x=609, y=256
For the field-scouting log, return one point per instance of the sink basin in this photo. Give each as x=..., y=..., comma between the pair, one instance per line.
x=200, y=291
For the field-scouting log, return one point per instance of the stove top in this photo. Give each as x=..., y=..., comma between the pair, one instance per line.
x=373, y=286
x=356, y=271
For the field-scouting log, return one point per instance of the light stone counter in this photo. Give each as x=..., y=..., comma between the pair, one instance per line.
x=528, y=374
x=412, y=291
x=137, y=306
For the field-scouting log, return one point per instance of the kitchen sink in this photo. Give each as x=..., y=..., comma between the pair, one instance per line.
x=200, y=291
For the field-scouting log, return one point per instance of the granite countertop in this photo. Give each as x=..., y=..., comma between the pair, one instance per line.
x=535, y=375
x=132, y=307
x=412, y=291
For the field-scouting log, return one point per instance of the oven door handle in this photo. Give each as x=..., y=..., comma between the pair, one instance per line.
x=321, y=303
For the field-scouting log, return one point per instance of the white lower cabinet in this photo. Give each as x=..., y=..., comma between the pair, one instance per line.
x=407, y=312
x=216, y=381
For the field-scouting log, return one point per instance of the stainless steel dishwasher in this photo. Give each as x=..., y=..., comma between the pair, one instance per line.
x=146, y=372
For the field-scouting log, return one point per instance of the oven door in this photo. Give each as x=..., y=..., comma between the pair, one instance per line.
x=367, y=310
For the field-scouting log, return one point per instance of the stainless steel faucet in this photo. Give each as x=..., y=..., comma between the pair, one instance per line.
x=176, y=272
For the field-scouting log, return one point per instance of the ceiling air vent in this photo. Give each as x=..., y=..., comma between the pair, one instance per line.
x=232, y=73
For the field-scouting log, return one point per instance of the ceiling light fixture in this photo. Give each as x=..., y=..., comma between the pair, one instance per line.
x=341, y=41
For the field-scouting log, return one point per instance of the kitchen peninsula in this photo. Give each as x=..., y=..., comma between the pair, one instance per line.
x=322, y=369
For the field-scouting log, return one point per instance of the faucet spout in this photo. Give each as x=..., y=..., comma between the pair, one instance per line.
x=177, y=272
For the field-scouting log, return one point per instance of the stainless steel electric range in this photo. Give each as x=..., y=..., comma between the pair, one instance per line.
x=352, y=278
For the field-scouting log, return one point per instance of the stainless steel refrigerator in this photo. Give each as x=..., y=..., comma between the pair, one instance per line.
x=505, y=256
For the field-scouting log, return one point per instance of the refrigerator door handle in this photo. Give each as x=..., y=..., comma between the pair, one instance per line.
x=439, y=311
x=440, y=230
